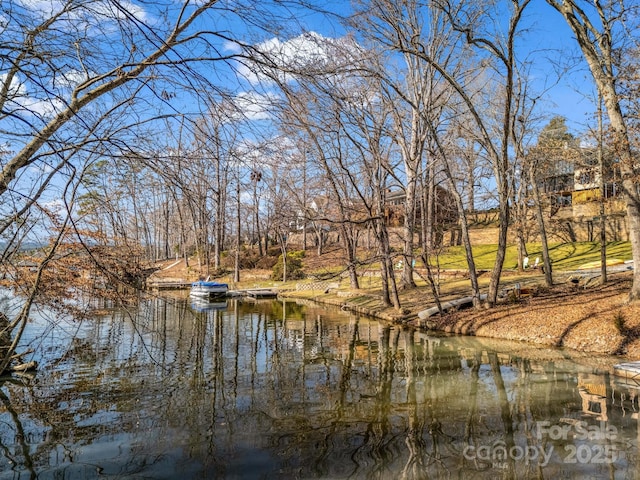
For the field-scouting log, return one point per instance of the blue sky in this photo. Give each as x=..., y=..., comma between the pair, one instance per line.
x=548, y=39
x=573, y=96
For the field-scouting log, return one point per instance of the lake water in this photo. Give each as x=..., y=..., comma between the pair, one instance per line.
x=270, y=389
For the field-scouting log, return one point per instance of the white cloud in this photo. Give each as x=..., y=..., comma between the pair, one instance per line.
x=71, y=78
x=19, y=97
x=42, y=108
x=99, y=10
x=44, y=8
x=56, y=206
x=255, y=106
x=232, y=47
x=307, y=53
x=106, y=9
x=304, y=50
x=249, y=74
x=16, y=88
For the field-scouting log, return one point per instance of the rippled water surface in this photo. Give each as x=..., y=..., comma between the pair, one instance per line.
x=235, y=389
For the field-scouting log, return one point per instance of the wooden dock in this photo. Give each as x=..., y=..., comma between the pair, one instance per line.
x=169, y=284
x=630, y=371
x=262, y=293
x=254, y=293
x=181, y=284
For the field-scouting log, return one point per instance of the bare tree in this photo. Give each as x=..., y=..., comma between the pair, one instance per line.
x=217, y=138
x=467, y=19
x=521, y=132
x=56, y=57
x=598, y=28
x=472, y=39
x=396, y=27
x=79, y=80
x=310, y=115
x=368, y=131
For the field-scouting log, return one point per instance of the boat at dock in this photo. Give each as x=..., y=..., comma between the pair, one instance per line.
x=201, y=305
x=204, y=288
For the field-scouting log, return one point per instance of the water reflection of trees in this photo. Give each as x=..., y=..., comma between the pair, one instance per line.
x=296, y=391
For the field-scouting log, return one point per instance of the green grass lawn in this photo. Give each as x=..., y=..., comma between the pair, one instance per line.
x=564, y=256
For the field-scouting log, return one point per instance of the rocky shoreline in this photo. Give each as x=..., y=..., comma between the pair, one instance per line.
x=594, y=319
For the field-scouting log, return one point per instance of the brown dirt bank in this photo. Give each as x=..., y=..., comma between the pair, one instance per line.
x=594, y=319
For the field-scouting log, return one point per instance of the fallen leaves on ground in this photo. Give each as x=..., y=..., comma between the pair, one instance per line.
x=596, y=319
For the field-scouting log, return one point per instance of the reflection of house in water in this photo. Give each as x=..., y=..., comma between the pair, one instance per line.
x=295, y=339
x=593, y=391
x=366, y=345
x=574, y=191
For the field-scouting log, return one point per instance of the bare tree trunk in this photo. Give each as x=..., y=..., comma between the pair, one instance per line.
x=546, y=258
x=236, y=270
x=220, y=207
x=466, y=241
x=256, y=176
x=350, y=246
x=384, y=278
x=283, y=251
x=603, y=192
x=428, y=210
x=462, y=218
x=501, y=160
x=304, y=201
x=496, y=272
x=320, y=239
x=519, y=206
x=393, y=284
x=166, y=216
x=409, y=230
x=389, y=285
x=427, y=221
x=522, y=249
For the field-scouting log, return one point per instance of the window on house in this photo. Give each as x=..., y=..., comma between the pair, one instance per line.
x=562, y=200
x=586, y=178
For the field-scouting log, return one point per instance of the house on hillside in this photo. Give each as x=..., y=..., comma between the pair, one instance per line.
x=574, y=193
x=444, y=213
x=322, y=214
x=317, y=207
